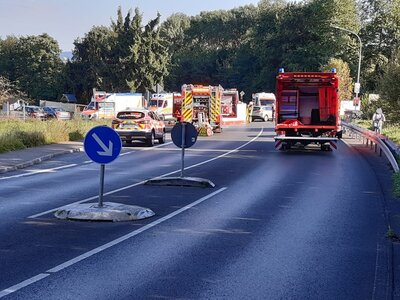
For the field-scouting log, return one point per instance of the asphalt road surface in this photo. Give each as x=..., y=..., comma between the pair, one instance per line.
x=278, y=225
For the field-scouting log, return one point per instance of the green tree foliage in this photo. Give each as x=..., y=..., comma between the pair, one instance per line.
x=343, y=71
x=33, y=63
x=213, y=49
x=124, y=56
x=298, y=36
x=388, y=88
x=151, y=59
x=380, y=36
x=9, y=91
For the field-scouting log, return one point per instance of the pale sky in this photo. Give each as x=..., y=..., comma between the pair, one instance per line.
x=65, y=20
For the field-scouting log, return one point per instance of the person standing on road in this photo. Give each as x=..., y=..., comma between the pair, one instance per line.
x=249, y=111
x=377, y=120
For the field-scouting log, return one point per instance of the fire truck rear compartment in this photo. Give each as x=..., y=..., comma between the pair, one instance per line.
x=309, y=105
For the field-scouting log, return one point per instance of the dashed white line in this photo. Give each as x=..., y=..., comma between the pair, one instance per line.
x=34, y=172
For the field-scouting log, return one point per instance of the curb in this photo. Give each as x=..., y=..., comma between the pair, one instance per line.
x=37, y=160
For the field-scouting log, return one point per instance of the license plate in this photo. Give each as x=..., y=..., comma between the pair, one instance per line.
x=129, y=126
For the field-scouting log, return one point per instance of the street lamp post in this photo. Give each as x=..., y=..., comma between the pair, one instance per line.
x=357, y=84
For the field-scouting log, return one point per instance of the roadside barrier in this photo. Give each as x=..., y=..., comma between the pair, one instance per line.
x=377, y=141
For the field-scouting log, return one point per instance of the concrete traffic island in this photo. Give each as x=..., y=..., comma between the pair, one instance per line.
x=114, y=212
x=181, y=181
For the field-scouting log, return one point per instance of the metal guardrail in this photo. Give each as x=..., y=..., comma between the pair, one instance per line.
x=382, y=143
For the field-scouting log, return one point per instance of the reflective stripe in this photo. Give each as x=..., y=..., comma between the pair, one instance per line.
x=187, y=107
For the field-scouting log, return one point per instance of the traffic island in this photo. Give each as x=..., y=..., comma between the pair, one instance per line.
x=109, y=211
x=181, y=181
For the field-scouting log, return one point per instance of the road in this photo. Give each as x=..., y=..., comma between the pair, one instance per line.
x=277, y=225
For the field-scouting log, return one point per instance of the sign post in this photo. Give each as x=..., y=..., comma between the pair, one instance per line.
x=183, y=147
x=241, y=95
x=103, y=145
x=183, y=135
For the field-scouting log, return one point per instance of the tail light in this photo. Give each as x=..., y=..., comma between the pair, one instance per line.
x=115, y=123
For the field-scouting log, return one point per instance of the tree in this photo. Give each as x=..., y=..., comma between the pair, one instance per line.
x=33, y=63
x=343, y=71
x=124, y=56
x=208, y=53
x=390, y=92
x=150, y=58
x=9, y=90
x=380, y=36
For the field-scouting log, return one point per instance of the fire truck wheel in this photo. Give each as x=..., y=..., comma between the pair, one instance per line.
x=161, y=140
x=285, y=146
x=326, y=148
x=150, y=140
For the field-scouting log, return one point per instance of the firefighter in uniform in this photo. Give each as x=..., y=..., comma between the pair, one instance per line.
x=249, y=111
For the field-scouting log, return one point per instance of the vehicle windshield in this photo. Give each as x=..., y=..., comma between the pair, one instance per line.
x=131, y=115
x=265, y=102
x=158, y=103
x=92, y=105
x=268, y=107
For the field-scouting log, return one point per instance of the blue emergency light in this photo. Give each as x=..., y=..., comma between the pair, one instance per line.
x=281, y=70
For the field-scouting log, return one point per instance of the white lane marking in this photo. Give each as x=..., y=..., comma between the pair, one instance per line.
x=108, y=245
x=22, y=284
x=74, y=165
x=202, y=150
x=142, y=182
x=126, y=153
x=34, y=172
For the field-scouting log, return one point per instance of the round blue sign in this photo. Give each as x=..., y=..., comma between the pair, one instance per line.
x=102, y=144
x=190, y=135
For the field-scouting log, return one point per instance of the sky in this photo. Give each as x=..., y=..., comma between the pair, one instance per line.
x=66, y=20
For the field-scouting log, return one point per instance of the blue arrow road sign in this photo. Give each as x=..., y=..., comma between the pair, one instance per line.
x=102, y=144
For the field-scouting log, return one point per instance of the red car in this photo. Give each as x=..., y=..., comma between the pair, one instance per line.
x=140, y=124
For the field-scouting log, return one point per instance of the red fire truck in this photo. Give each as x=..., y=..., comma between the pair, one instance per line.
x=201, y=106
x=307, y=110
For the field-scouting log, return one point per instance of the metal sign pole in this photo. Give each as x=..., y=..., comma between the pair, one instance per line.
x=101, y=189
x=183, y=147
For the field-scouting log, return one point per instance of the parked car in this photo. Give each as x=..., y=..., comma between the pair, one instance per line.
x=31, y=111
x=57, y=112
x=263, y=113
x=141, y=124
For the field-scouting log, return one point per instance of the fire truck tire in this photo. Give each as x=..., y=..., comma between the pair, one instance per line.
x=150, y=140
x=161, y=140
x=326, y=148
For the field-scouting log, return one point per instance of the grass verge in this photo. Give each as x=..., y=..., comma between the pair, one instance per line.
x=18, y=134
